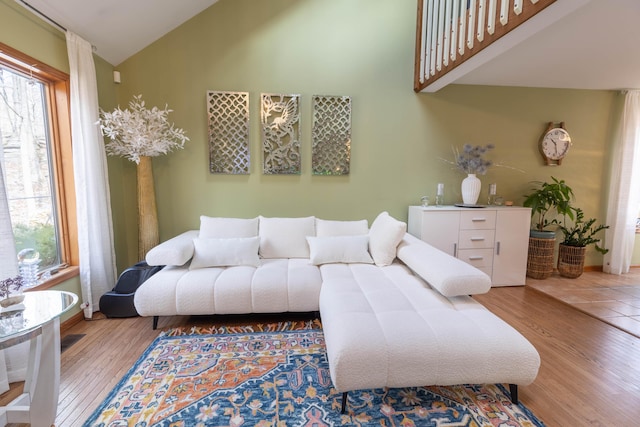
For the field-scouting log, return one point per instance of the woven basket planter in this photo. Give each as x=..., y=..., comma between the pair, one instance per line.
x=571, y=260
x=540, y=257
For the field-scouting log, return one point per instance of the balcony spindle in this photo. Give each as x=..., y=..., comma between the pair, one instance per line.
x=447, y=32
x=454, y=29
x=462, y=27
x=481, y=15
x=517, y=7
x=504, y=12
x=440, y=30
x=433, y=37
x=472, y=23
x=491, y=17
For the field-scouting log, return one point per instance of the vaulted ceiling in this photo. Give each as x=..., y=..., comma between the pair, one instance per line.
x=595, y=47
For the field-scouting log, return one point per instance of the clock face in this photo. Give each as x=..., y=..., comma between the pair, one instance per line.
x=556, y=143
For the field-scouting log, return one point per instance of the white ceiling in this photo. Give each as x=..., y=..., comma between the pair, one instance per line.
x=594, y=47
x=120, y=28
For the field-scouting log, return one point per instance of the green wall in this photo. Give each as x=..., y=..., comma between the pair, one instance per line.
x=364, y=49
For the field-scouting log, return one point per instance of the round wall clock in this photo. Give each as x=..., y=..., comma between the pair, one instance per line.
x=555, y=143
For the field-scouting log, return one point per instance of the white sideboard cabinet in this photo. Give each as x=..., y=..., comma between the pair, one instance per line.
x=494, y=239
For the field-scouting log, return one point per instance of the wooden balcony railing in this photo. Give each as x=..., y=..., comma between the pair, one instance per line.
x=449, y=32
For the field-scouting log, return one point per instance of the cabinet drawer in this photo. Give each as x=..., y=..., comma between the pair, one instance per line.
x=478, y=219
x=477, y=257
x=476, y=239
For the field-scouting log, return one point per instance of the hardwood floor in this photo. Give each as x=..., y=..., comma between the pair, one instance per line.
x=611, y=298
x=590, y=372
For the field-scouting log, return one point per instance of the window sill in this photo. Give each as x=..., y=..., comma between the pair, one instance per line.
x=62, y=275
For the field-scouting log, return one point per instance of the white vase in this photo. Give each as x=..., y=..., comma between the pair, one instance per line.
x=470, y=189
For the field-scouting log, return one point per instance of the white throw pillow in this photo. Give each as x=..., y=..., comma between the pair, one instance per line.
x=326, y=228
x=224, y=228
x=339, y=249
x=384, y=236
x=285, y=237
x=225, y=252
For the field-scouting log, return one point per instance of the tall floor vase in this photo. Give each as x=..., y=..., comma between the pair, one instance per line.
x=148, y=235
x=470, y=189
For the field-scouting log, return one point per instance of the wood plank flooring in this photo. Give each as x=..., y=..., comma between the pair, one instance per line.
x=590, y=373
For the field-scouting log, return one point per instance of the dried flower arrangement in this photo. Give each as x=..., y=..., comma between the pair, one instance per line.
x=471, y=159
x=7, y=285
x=138, y=131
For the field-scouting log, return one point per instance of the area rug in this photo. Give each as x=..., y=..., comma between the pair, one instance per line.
x=278, y=375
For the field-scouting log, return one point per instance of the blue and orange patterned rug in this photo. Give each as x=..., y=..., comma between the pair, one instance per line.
x=278, y=375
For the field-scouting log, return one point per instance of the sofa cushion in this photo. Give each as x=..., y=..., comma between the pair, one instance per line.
x=225, y=252
x=384, y=236
x=277, y=286
x=326, y=228
x=285, y=237
x=223, y=228
x=343, y=249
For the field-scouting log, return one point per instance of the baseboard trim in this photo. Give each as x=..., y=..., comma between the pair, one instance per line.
x=73, y=320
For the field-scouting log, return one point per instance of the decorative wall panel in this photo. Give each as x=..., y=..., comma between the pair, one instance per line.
x=280, y=133
x=331, y=135
x=229, y=151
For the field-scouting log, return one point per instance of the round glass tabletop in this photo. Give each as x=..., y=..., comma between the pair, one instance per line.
x=37, y=308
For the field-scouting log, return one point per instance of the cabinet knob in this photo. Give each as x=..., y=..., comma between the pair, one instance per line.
x=477, y=239
x=475, y=257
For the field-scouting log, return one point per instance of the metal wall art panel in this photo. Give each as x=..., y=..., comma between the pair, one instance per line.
x=229, y=151
x=331, y=135
x=280, y=133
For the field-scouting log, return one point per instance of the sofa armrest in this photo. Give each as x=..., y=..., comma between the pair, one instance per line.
x=449, y=275
x=175, y=251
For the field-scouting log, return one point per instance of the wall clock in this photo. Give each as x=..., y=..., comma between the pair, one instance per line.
x=555, y=143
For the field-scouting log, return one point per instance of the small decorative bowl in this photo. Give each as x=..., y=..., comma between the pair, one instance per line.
x=12, y=300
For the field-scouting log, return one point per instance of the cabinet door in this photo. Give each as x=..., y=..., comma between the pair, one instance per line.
x=440, y=229
x=511, y=246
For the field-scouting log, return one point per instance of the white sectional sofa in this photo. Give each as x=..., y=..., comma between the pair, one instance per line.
x=395, y=311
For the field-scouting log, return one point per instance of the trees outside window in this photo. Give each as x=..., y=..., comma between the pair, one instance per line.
x=35, y=154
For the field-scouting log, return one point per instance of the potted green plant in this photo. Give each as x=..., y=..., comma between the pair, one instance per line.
x=546, y=199
x=578, y=234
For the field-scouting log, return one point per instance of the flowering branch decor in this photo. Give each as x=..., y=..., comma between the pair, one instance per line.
x=138, y=131
x=471, y=159
x=7, y=285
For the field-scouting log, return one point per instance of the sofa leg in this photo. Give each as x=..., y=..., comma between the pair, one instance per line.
x=513, y=389
x=344, y=402
x=155, y=322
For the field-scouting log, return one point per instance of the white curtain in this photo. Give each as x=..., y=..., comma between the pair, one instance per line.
x=624, y=190
x=13, y=365
x=95, y=229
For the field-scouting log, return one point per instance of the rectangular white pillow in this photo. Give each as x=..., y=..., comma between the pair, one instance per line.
x=285, y=237
x=339, y=249
x=225, y=252
x=326, y=228
x=224, y=228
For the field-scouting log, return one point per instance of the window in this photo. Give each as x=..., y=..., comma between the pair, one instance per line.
x=35, y=152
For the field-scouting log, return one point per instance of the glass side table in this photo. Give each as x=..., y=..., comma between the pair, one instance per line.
x=36, y=319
